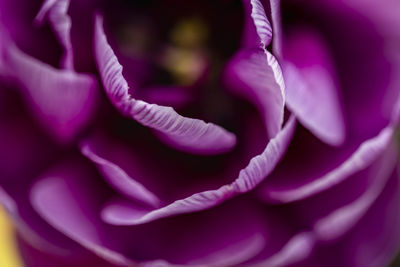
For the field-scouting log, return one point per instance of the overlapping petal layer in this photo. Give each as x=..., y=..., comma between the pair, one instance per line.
x=191, y=135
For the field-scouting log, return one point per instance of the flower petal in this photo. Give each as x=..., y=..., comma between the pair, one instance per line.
x=298, y=248
x=56, y=10
x=312, y=92
x=212, y=238
x=122, y=212
x=367, y=152
x=191, y=135
x=63, y=101
x=373, y=241
x=257, y=76
x=276, y=27
x=117, y=177
x=259, y=31
x=344, y=218
x=57, y=189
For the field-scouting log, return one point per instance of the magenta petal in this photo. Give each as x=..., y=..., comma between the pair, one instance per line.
x=311, y=87
x=367, y=152
x=56, y=11
x=257, y=76
x=298, y=248
x=118, y=178
x=276, y=27
x=341, y=220
x=258, y=32
x=123, y=212
x=61, y=205
x=191, y=135
x=374, y=241
x=63, y=101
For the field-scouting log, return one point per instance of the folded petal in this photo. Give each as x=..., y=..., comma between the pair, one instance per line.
x=63, y=101
x=213, y=241
x=276, y=18
x=60, y=188
x=254, y=72
x=256, y=75
x=258, y=31
x=298, y=248
x=190, y=135
x=341, y=220
x=56, y=11
x=285, y=191
x=373, y=241
x=122, y=212
x=117, y=177
x=312, y=86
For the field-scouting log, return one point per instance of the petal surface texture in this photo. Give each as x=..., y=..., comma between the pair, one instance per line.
x=190, y=135
x=123, y=212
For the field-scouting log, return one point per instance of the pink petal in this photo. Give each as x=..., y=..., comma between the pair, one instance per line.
x=341, y=220
x=367, y=152
x=312, y=91
x=298, y=248
x=190, y=135
x=257, y=76
x=59, y=202
x=117, y=177
x=56, y=10
x=63, y=101
x=258, y=32
x=122, y=212
x=276, y=27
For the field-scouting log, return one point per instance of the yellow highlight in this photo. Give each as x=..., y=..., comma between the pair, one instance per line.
x=9, y=256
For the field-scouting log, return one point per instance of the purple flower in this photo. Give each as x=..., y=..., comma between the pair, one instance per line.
x=201, y=133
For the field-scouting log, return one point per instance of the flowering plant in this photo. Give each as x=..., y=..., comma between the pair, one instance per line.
x=225, y=133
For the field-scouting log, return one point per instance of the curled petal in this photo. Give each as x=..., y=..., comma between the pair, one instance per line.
x=369, y=151
x=298, y=248
x=373, y=240
x=122, y=212
x=344, y=218
x=312, y=91
x=56, y=10
x=62, y=100
x=217, y=243
x=276, y=27
x=53, y=191
x=118, y=178
x=257, y=76
x=259, y=31
x=188, y=134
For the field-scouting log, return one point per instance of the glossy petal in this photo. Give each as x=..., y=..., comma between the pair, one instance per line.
x=56, y=11
x=122, y=212
x=359, y=160
x=312, y=92
x=190, y=135
x=63, y=101
x=257, y=76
